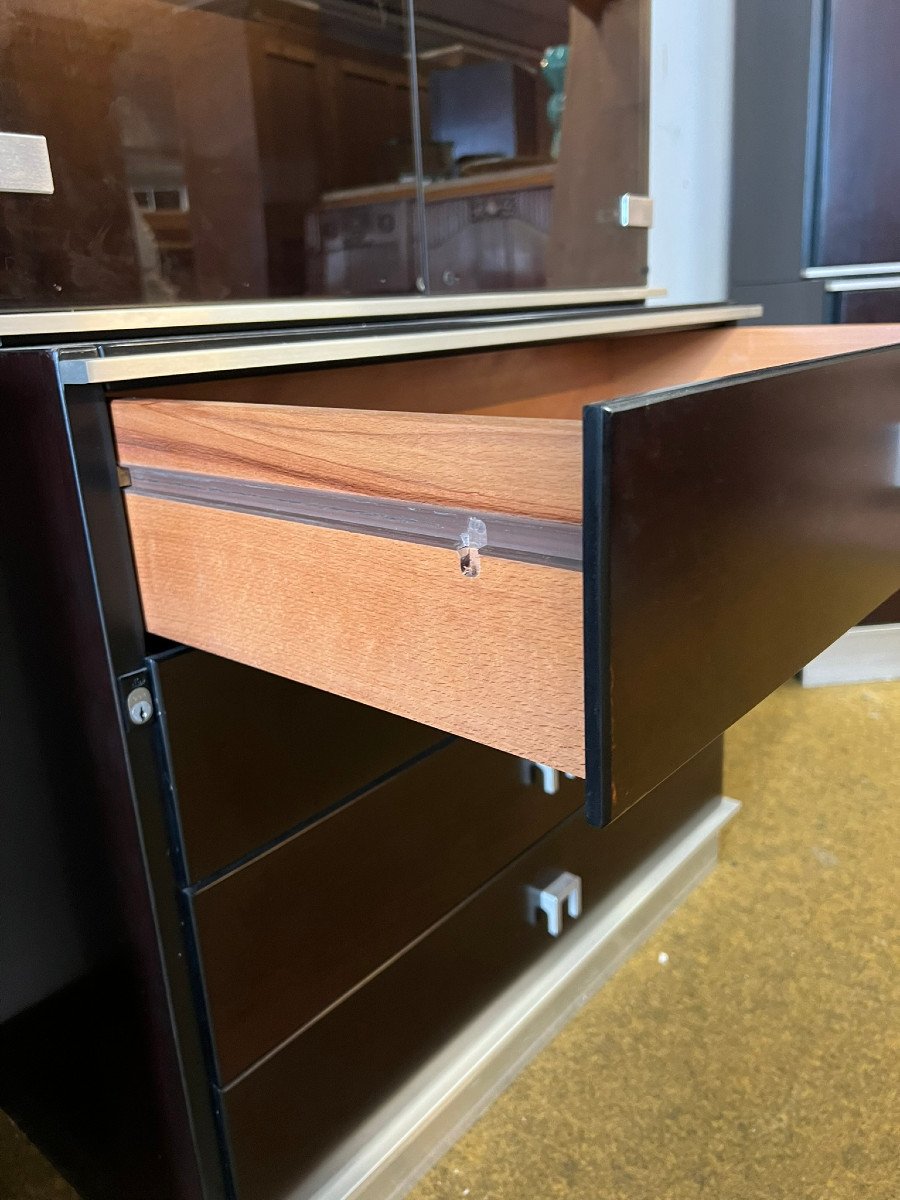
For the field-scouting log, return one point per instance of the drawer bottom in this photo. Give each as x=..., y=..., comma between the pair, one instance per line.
x=286, y=1117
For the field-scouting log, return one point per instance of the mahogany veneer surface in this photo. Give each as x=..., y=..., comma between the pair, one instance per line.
x=526, y=467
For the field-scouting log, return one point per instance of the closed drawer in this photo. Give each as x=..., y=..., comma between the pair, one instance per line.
x=281, y=1118
x=864, y=305
x=286, y=935
x=251, y=754
x=652, y=566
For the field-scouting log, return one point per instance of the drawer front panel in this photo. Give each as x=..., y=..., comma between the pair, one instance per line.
x=252, y=755
x=289, y=933
x=873, y=304
x=280, y=1117
x=732, y=531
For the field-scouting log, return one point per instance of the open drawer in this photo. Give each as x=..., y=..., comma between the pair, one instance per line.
x=501, y=546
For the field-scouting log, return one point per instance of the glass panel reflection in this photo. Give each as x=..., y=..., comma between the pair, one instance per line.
x=216, y=150
x=534, y=117
x=207, y=150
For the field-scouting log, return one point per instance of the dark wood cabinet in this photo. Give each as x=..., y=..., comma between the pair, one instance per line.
x=358, y=887
x=816, y=166
x=855, y=216
x=311, y=891
x=816, y=170
x=385, y=1031
x=866, y=304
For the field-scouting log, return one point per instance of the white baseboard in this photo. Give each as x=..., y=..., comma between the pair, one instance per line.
x=405, y=1137
x=866, y=654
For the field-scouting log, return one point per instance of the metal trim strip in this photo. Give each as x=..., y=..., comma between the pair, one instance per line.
x=150, y=318
x=524, y=539
x=864, y=654
x=887, y=268
x=88, y=367
x=871, y=284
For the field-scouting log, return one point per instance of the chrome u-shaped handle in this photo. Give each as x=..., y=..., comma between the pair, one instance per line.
x=564, y=890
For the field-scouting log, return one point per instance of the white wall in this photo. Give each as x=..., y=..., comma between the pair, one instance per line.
x=692, y=54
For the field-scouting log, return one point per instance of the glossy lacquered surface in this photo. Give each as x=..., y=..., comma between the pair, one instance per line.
x=75, y=619
x=860, y=306
x=238, y=152
x=856, y=218
x=252, y=755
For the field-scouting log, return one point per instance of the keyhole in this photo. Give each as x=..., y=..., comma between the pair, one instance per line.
x=470, y=562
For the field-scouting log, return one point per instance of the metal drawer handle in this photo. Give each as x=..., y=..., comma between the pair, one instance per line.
x=549, y=776
x=565, y=889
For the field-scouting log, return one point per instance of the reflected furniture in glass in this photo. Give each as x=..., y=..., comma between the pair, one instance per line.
x=243, y=151
x=380, y=574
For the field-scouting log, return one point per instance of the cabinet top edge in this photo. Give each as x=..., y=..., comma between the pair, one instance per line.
x=151, y=319
x=148, y=362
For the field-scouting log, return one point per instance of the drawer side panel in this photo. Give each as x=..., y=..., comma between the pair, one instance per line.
x=496, y=659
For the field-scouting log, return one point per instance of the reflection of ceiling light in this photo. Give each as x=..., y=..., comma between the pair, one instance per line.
x=460, y=49
x=380, y=16
x=456, y=48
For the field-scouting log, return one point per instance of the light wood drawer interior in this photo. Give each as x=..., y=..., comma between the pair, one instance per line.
x=309, y=524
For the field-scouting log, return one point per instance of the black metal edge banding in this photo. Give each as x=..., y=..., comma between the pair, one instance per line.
x=168, y=790
x=598, y=758
x=168, y=787
x=92, y=449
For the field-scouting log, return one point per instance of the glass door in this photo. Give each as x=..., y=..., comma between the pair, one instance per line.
x=534, y=118
x=207, y=151
x=247, y=150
